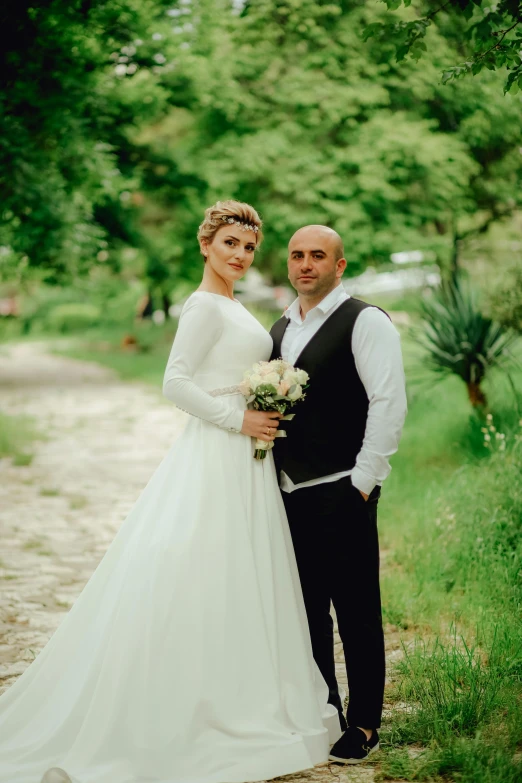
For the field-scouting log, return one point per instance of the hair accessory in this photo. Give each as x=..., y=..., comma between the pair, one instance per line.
x=243, y=226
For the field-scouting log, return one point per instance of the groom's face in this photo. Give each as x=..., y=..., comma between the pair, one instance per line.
x=315, y=262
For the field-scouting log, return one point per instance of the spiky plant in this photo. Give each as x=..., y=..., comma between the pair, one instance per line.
x=460, y=341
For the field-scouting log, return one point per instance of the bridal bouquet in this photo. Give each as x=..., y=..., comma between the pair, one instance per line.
x=273, y=386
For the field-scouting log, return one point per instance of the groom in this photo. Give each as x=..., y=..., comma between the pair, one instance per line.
x=331, y=467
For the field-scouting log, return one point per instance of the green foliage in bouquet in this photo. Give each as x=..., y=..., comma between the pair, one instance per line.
x=266, y=398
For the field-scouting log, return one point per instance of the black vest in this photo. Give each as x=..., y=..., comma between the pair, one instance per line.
x=327, y=432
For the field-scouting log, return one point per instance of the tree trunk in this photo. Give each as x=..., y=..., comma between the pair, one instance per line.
x=476, y=395
x=166, y=303
x=455, y=255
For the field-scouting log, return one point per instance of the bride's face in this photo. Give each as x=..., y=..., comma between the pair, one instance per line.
x=231, y=252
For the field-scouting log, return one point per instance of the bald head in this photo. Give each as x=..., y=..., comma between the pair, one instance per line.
x=315, y=263
x=325, y=235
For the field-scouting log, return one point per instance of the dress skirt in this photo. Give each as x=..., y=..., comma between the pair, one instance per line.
x=186, y=658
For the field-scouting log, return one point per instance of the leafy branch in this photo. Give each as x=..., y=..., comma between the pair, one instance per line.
x=487, y=38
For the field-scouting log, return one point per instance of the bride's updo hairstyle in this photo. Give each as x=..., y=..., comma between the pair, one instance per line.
x=234, y=212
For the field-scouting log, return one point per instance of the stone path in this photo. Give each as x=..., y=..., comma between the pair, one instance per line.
x=102, y=440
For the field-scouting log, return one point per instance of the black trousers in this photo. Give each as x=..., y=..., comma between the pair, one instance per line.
x=334, y=532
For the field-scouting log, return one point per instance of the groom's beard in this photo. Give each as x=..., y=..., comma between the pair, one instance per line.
x=316, y=289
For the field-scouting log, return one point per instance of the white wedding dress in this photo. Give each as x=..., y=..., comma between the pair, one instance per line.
x=186, y=658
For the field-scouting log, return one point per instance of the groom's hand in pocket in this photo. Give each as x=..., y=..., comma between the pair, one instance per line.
x=261, y=424
x=363, y=494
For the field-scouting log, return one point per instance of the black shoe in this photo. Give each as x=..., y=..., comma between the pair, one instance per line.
x=353, y=747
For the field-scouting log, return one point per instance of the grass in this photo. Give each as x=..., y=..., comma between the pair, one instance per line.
x=453, y=687
x=38, y=547
x=49, y=492
x=17, y=434
x=77, y=502
x=476, y=760
x=451, y=517
x=144, y=360
x=32, y=544
x=22, y=459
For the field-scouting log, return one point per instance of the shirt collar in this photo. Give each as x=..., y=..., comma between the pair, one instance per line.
x=293, y=313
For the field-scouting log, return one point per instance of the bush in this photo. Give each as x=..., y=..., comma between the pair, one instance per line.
x=505, y=301
x=68, y=318
x=42, y=306
x=120, y=307
x=459, y=340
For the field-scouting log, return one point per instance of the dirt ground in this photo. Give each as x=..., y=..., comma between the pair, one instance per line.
x=102, y=439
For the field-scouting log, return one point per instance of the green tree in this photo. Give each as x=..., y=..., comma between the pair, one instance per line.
x=76, y=74
x=490, y=34
x=124, y=119
x=288, y=108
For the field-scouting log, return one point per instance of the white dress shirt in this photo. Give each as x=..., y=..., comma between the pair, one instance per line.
x=377, y=353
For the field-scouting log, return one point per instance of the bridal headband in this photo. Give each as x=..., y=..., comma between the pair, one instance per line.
x=243, y=226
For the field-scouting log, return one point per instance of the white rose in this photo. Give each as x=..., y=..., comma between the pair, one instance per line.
x=279, y=366
x=255, y=379
x=301, y=377
x=295, y=393
x=290, y=376
x=272, y=378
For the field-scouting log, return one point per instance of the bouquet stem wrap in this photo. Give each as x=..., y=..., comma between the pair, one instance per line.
x=273, y=386
x=261, y=447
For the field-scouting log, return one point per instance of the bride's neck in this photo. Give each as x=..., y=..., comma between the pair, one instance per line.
x=212, y=283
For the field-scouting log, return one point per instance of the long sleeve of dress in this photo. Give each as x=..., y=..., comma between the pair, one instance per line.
x=200, y=327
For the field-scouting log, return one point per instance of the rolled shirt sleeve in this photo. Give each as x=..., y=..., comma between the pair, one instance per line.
x=378, y=358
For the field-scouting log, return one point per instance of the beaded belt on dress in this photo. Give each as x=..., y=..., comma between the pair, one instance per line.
x=223, y=392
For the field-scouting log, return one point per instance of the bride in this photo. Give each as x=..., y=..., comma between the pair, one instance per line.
x=186, y=658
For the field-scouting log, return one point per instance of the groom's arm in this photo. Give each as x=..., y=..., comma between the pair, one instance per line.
x=377, y=352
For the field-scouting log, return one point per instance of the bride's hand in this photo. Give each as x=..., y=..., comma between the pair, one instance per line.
x=261, y=424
